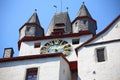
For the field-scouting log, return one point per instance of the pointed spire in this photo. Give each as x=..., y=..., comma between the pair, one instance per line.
x=34, y=18
x=83, y=11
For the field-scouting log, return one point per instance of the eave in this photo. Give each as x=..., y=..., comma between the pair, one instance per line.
x=72, y=64
x=31, y=24
x=29, y=57
x=82, y=17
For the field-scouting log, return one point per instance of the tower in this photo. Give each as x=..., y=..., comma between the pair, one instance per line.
x=31, y=28
x=8, y=53
x=84, y=21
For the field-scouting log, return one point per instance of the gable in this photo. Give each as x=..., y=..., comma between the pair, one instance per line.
x=112, y=33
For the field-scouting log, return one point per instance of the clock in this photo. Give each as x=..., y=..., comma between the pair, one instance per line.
x=56, y=46
x=8, y=52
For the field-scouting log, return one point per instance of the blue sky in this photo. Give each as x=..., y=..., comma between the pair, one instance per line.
x=14, y=13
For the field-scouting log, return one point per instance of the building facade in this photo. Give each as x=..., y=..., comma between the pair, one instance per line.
x=68, y=51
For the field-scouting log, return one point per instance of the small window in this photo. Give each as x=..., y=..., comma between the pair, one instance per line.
x=84, y=22
x=75, y=41
x=28, y=28
x=31, y=74
x=76, y=24
x=37, y=45
x=100, y=54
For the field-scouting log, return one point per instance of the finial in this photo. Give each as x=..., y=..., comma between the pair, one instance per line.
x=83, y=2
x=35, y=10
x=55, y=7
x=67, y=8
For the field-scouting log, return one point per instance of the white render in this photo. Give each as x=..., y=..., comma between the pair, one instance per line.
x=112, y=34
x=48, y=68
x=65, y=73
x=108, y=70
x=27, y=48
x=90, y=68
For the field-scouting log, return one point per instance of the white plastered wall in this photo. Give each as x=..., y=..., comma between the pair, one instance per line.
x=65, y=73
x=111, y=34
x=48, y=68
x=90, y=69
x=27, y=48
x=88, y=66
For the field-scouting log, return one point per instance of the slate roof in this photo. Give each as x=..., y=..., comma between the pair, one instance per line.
x=34, y=19
x=61, y=17
x=83, y=11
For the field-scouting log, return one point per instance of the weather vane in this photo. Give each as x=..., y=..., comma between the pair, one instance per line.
x=55, y=7
x=61, y=6
x=67, y=8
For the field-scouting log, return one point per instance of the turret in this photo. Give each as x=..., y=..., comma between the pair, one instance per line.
x=59, y=25
x=84, y=21
x=31, y=28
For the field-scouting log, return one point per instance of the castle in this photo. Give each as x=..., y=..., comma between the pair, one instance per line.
x=68, y=51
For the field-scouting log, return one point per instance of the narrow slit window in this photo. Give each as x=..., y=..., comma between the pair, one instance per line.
x=76, y=24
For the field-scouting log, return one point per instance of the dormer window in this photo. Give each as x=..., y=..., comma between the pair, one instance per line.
x=59, y=25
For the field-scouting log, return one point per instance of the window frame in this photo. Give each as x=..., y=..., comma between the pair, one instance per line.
x=104, y=54
x=37, y=45
x=33, y=72
x=75, y=41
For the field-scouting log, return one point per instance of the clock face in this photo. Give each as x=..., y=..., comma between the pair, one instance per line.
x=56, y=46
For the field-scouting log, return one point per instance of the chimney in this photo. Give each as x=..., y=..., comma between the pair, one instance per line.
x=8, y=53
